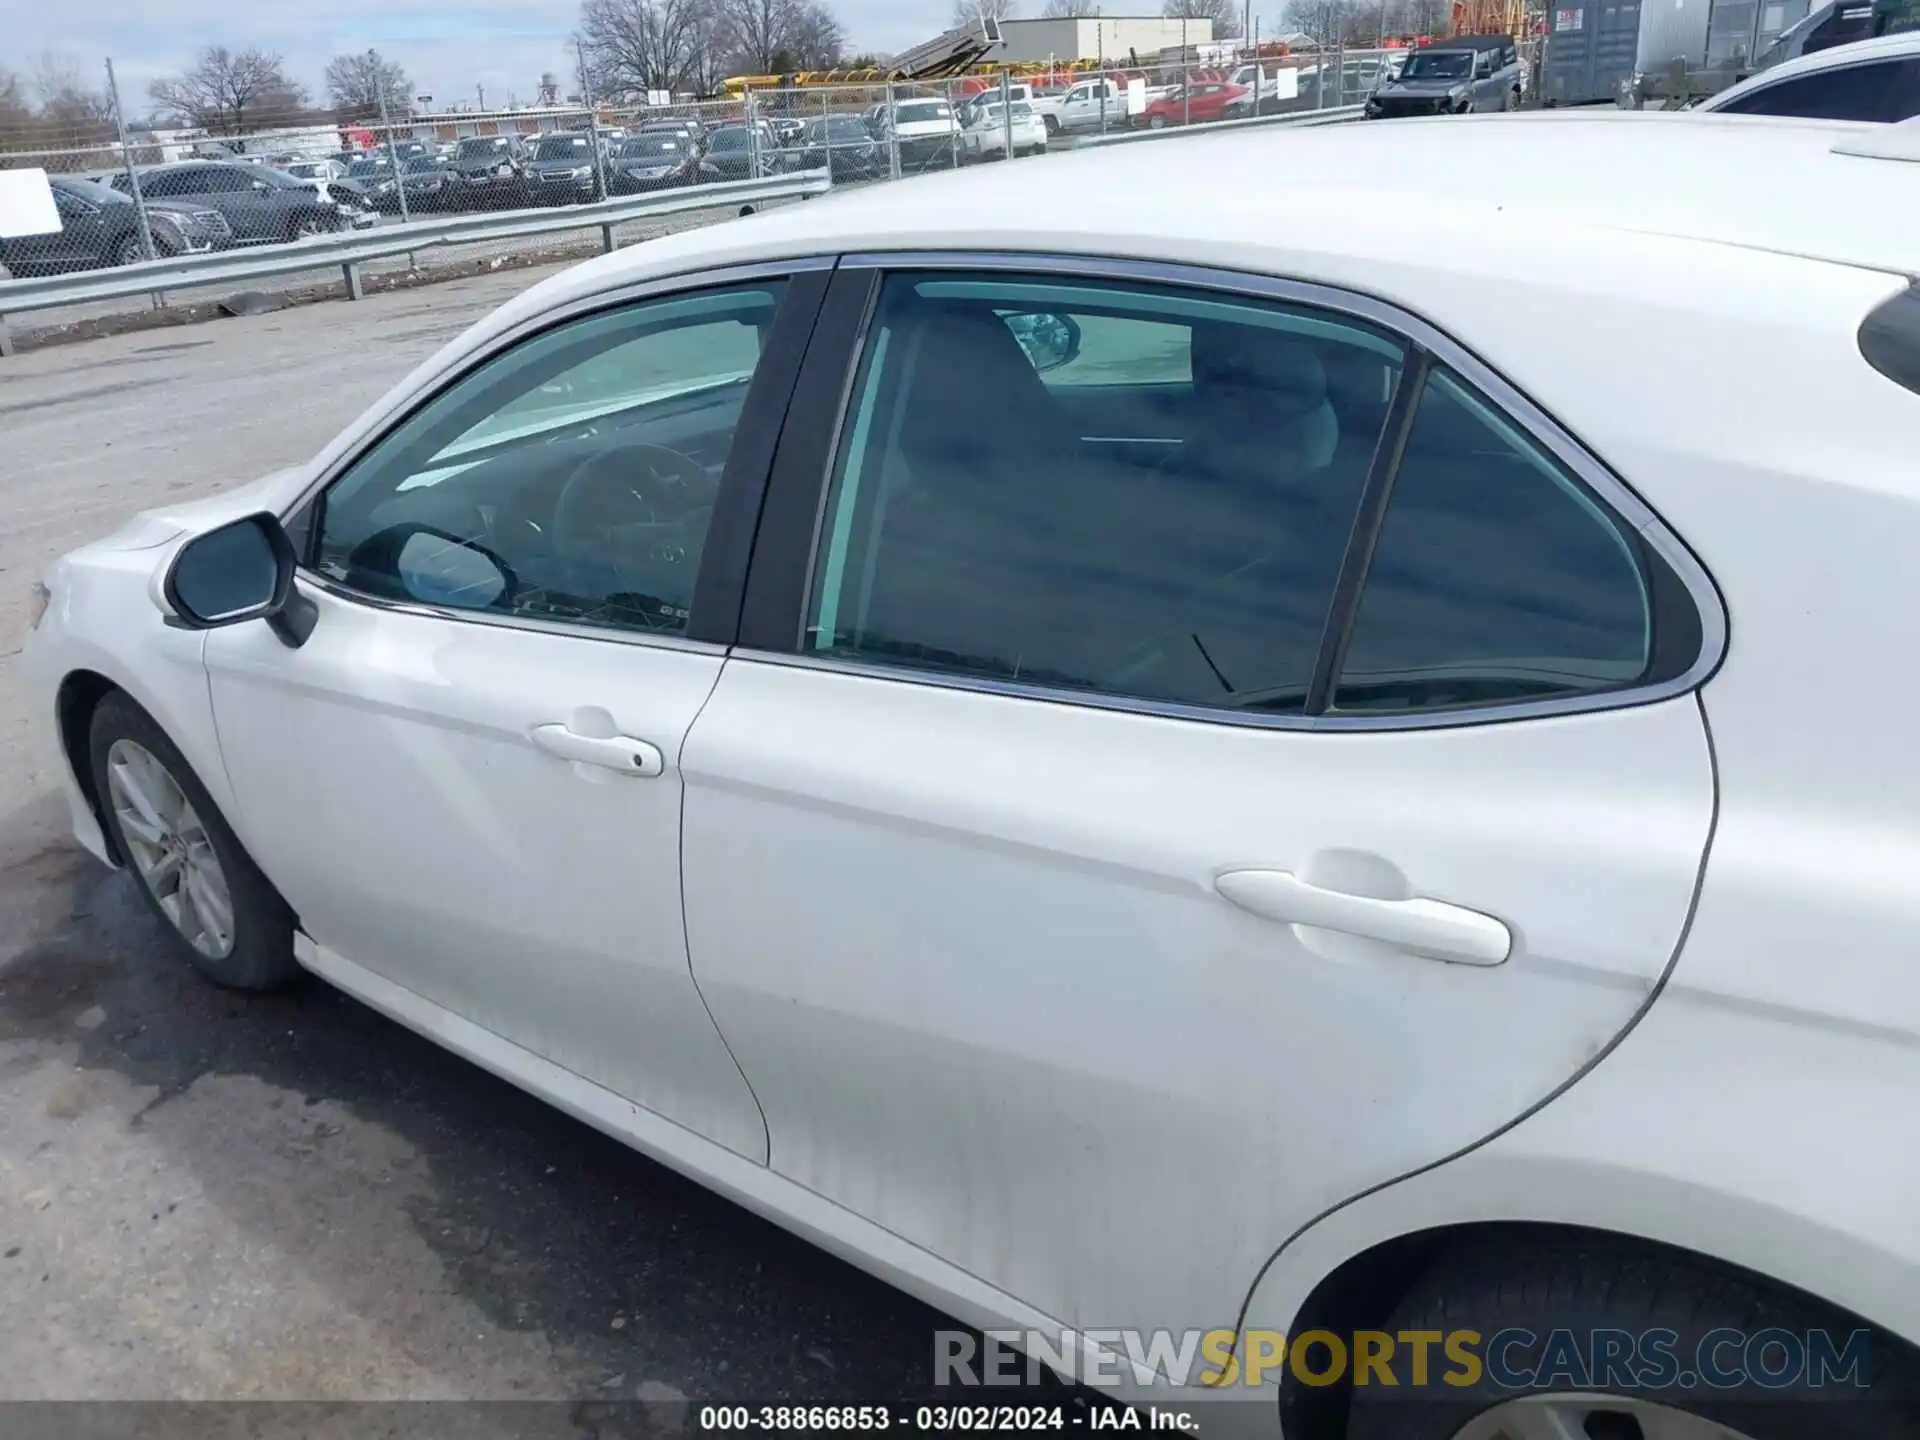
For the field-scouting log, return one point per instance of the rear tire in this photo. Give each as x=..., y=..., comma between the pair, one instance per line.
x=1595, y=1289
x=185, y=859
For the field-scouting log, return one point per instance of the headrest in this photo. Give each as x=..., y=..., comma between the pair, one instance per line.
x=1279, y=370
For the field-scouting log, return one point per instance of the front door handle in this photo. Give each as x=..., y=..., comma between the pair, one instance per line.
x=621, y=753
x=1431, y=928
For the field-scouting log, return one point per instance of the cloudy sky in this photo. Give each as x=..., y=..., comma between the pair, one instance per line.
x=449, y=47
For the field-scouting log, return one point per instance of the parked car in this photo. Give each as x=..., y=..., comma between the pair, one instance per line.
x=1874, y=80
x=100, y=227
x=356, y=204
x=261, y=205
x=1455, y=77
x=430, y=185
x=653, y=160
x=1198, y=103
x=1227, y=781
x=841, y=144
x=687, y=125
x=564, y=169
x=926, y=132
x=490, y=172
x=994, y=130
x=740, y=152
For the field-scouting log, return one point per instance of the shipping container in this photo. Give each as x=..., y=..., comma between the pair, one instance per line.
x=1594, y=47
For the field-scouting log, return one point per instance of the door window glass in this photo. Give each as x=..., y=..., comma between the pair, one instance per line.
x=571, y=478
x=1855, y=92
x=1498, y=577
x=978, y=522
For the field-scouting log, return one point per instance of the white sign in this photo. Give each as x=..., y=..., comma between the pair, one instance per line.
x=1565, y=20
x=26, y=204
x=1286, y=84
x=1136, y=96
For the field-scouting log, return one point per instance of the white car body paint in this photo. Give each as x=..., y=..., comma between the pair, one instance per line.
x=1168, y=1057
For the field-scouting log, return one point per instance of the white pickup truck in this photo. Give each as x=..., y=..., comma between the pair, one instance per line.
x=1097, y=104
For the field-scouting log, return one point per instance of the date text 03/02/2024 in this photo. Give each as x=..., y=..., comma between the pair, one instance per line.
x=939, y=1419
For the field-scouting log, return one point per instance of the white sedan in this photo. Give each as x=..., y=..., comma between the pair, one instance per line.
x=1297, y=795
x=990, y=134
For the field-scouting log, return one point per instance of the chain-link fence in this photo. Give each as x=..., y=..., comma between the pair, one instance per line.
x=122, y=197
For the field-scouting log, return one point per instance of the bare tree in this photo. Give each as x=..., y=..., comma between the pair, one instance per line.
x=71, y=113
x=633, y=46
x=1225, y=15
x=226, y=91
x=1325, y=20
x=818, y=41
x=1070, y=9
x=16, y=116
x=756, y=32
x=972, y=12
x=356, y=82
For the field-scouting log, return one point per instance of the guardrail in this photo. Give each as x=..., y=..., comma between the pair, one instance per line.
x=1293, y=119
x=351, y=249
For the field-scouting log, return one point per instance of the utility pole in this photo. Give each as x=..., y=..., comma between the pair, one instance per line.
x=481, y=91
x=126, y=158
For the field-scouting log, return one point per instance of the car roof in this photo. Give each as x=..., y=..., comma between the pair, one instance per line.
x=1358, y=197
x=1836, y=57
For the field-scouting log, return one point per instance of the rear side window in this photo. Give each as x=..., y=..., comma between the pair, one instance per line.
x=1173, y=533
x=1877, y=92
x=1497, y=576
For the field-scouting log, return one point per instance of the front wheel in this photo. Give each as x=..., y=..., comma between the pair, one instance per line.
x=127, y=250
x=306, y=226
x=1157, y=122
x=1602, y=1339
x=221, y=915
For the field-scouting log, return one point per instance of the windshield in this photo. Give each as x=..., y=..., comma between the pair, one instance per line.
x=1438, y=65
x=735, y=139
x=649, y=145
x=478, y=145
x=560, y=147
x=307, y=169
x=366, y=169
x=840, y=127
x=422, y=162
x=922, y=111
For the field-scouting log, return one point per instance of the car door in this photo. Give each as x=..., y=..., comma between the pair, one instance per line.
x=1102, y=863
x=466, y=780
x=82, y=236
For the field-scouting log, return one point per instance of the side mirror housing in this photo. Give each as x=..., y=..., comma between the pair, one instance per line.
x=239, y=572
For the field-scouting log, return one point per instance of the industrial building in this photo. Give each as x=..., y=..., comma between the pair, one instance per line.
x=1103, y=38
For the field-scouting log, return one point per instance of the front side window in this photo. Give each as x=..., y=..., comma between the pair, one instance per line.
x=570, y=478
x=1498, y=577
x=981, y=522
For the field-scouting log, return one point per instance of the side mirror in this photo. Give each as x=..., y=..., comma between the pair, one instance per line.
x=1050, y=340
x=242, y=571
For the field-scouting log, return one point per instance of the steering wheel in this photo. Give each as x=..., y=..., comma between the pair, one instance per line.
x=630, y=519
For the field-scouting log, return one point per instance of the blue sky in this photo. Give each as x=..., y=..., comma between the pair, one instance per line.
x=449, y=49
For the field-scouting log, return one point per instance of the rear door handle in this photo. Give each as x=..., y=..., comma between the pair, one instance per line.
x=621, y=753
x=1431, y=928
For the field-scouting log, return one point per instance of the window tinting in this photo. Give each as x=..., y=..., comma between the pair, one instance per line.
x=1854, y=92
x=1170, y=533
x=583, y=465
x=1497, y=576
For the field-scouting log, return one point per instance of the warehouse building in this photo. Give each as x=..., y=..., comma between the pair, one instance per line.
x=1105, y=38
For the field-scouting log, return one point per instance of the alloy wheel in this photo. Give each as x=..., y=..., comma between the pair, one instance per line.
x=1576, y=1416
x=170, y=847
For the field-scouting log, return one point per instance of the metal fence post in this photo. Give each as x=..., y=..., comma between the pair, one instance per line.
x=953, y=129
x=393, y=152
x=753, y=135
x=893, y=138
x=1006, y=111
x=593, y=131
x=133, y=179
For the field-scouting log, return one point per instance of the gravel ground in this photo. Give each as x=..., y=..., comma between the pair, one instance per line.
x=204, y=1197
